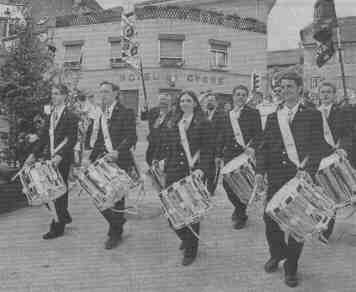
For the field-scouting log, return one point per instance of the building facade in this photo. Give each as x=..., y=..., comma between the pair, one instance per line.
x=182, y=47
x=331, y=70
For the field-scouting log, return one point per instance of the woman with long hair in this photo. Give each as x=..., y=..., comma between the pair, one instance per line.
x=188, y=147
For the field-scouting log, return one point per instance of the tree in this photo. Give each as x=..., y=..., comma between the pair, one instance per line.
x=25, y=88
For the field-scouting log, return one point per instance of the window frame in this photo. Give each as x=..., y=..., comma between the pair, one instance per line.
x=227, y=45
x=73, y=64
x=171, y=61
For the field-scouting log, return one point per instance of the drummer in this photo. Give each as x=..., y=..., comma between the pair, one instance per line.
x=241, y=132
x=337, y=126
x=116, y=143
x=217, y=116
x=280, y=164
x=62, y=130
x=189, y=147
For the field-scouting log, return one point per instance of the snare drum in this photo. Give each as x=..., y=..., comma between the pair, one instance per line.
x=338, y=179
x=186, y=201
x=239, y=174
x=301, y=208
x=42, y=183
x=105, y=183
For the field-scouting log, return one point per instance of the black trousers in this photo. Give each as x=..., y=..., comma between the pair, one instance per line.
x=240, y=208
x=150, y=152
x=61, y=204
x=114, y=217
x=278, y=247
x=185, y=234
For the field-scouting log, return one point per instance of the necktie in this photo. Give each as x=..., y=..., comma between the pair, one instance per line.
x=55, y=116
x=290, y=117
x=326, y=113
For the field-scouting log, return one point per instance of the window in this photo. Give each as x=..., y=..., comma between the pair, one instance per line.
x=116, y=53
x=219, y=54
x=73, y=54
x=171, y=49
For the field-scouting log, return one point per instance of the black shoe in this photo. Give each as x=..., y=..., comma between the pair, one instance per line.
x=112, y=242
x=56, y=230
x=240, y=223
x=271, y=265
x=290, y=279
x=190, y=254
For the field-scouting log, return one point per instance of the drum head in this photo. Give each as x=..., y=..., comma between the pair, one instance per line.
x=235, y=163
x=329, y=160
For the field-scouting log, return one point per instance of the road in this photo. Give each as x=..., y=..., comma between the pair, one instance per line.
x=149, y=260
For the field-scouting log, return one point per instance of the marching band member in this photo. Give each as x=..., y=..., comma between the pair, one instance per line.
x=278, y=156
x=117, y=134
x=188, y=148
x=57, y=143
x=157, y=119
x=216, y=116
x=241, y=132
x=337, y=126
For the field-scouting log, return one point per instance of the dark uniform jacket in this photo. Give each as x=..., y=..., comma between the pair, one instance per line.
x=156, y=137
x=218, y=123
x=340, y=124
x=200, y=137
x=67, y=127
x=122, y=130
x=251, y=128
x=272, y=158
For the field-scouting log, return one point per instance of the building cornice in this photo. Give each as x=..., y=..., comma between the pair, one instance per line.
x=202, y=16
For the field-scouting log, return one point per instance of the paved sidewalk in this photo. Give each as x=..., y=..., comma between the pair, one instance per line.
x=149, y=260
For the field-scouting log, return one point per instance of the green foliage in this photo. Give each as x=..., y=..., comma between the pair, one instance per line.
x=26, y=63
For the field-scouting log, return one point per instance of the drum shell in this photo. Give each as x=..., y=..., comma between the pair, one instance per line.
x=337, y=178
x=42, y=183
x=185, y=202
x=105, y=183
x=301, y=209
x=239, y=174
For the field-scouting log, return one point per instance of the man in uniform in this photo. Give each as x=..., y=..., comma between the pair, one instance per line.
x=274, y=158
x=117, y=134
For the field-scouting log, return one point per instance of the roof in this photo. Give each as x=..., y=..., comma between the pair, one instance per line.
x=108, y=15
x=284, y=57
x=347, y=27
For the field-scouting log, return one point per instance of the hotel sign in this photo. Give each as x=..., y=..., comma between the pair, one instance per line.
x=182, y=76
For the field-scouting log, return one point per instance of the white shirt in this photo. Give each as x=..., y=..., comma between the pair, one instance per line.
x=57, y=113
x=211, y=114
x=326, y=109
x=237, y=111
x=109, y=111
x=186, y=121
x=290, y=113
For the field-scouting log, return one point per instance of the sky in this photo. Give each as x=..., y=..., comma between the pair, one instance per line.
x=285, y=21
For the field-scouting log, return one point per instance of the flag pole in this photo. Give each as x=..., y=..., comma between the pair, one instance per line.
x=341, y=59
x=143, y=86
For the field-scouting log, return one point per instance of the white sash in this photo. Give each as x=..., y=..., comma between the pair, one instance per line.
x=236, y=129
x=184, y=140
x=52, y=126
x=327, y=132
x=106, y=134
x=287, y=137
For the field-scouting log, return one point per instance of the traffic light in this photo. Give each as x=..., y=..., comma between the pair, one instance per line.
x=256, y=82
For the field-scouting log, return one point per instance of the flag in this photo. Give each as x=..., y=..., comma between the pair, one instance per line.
x=129, y=44
x=324, y=21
